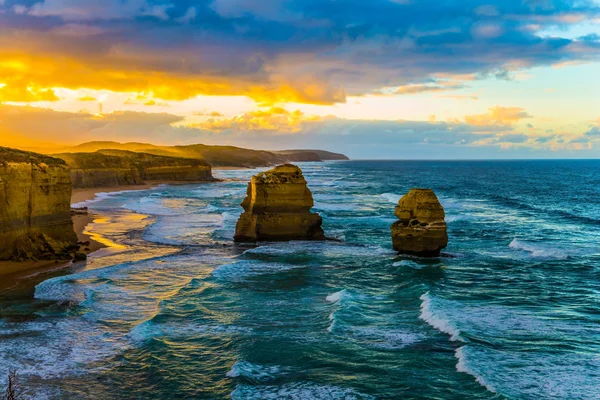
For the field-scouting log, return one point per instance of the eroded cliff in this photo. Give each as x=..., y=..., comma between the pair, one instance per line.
x=35, y=197
x=111, y=168
x=277, y=207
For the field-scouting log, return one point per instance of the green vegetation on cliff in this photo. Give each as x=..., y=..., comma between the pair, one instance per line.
x=217, y=156
x=8, y=155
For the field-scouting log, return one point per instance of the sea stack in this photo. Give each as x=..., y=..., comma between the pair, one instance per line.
x=277, y=208
x=421, y=229
x=35, y=209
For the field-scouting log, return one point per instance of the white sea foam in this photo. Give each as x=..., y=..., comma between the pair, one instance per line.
x=100, y=197
x=256, y=372
x=409, y=264
x=337, y=206
x=391, y=197
x=323, y=249
x=463, y=366
x=537, y=250
x=243, y=269
x=335, y=297
x=435, y=318
x=532, y=375
x=189, y=230
x=296, y=391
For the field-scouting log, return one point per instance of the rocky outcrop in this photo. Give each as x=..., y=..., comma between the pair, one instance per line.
x=277, y=207
x=421, y=229
x=35, y=213
x=111, y=168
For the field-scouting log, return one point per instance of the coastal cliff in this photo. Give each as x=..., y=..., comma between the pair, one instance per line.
x=421, y=228
x=217, y=156
x=35, y=212
x=277, y=207
x=112, y=168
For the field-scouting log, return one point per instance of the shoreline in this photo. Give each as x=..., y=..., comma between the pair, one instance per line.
x=87, y=194
x=13, y=272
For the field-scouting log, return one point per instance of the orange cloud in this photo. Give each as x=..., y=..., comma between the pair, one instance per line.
x=272, y=119
x=498, y=116
x=28, y=78
x=87, y=98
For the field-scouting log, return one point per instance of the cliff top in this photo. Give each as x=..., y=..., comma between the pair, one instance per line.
x=286, y=173
x=125, y=159
x=229, y=156
x=8, y=155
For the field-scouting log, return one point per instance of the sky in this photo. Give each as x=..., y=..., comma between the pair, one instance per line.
x=417, y=79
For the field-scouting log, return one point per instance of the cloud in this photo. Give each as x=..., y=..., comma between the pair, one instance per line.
x=279, y=128
x=275, y=119
x=34, y=127
x=593, y=132
x=87, y=98
x=208, y=114
x=414, y=89
x=278, y=51
x=498, y=116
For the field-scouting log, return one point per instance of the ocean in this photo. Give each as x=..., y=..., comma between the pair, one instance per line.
x=175, y=310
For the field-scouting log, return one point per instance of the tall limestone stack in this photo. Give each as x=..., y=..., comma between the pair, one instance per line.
x=421, y=229
x=35, y=206
x=277, y=208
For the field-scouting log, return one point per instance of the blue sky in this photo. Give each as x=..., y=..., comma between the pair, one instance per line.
x=376, y=79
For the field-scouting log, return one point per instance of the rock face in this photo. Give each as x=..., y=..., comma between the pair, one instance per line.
x=421, y=229
x=111, y=168
x=277, y=208
x=35, y=206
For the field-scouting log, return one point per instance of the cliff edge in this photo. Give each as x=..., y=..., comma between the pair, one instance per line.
x=35, y=206
x=111, y=168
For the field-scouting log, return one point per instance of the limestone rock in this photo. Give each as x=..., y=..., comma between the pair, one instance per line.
x=421, y=229
x=112, y=168
x=35, y=209
x=277, y=207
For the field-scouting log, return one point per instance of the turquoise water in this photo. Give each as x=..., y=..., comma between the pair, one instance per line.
x=178, y=311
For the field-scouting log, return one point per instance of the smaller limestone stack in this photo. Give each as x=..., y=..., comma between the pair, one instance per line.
x=421, y=229
x=277, y=208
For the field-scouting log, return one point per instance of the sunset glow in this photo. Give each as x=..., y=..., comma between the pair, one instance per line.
x=463, y=80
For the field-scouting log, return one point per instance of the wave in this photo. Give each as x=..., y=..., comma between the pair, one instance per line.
x=391, y=197
x=103, y=196
x=323, y=249
x=532, y=375
x=256, y=372
x=297, y=390
x=436, y=319
x=463, y=366
x=335, y=297
x=409, y=264
x=538, y=251
x=243, y=269
x=149, y=330
x=514, y=203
